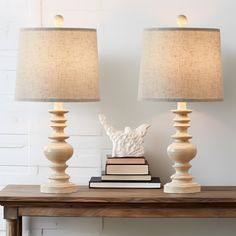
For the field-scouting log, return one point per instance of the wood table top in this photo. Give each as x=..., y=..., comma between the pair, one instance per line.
x=31, y=193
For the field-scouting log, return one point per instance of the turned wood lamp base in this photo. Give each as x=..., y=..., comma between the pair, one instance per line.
x=182, y=152
x=56, y=188
x=182, y=188
x=58, y=152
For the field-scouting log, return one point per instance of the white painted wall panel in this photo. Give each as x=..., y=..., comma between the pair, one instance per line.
x=7, y=60
x=168, y=227
x=14, y=150
x=7, y=79
x=73, y=5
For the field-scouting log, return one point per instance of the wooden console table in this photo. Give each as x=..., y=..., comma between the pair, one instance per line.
x=26, y=200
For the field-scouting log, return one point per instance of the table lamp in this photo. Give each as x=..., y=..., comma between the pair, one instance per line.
x=183, y=65
x=57, y=65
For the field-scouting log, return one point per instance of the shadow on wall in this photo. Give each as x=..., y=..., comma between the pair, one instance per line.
x=229, y=76
x=156, y=144
x=169, y=227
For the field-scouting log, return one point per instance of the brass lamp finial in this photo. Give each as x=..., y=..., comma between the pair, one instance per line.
x=182, y=20
x=58, y=20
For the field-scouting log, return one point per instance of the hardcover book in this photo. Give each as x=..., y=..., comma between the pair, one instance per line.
x=126, y=177
x=125, y=160
x=127, y=169
x=96, y=182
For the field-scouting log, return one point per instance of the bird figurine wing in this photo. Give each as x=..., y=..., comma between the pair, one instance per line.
x=110, y=130
x=142, y=129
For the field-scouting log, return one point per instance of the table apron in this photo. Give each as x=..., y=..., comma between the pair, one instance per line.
x=134, y=212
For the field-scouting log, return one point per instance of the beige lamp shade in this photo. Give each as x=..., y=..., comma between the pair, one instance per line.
x=57, y=64
x=181, y=64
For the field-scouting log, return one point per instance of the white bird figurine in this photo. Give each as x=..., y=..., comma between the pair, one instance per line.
x=127, y=142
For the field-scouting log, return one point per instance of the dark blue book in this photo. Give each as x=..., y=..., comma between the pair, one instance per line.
x=96, y=182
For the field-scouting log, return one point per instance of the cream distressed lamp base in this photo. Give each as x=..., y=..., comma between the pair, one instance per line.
x=182, y=152
x=58, y=152
x=58, y=188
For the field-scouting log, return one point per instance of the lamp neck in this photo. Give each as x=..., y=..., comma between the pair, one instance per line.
x=182, y=105
x=58, y=106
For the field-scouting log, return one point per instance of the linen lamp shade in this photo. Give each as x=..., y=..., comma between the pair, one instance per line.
x=181, y=64
x=57, y=65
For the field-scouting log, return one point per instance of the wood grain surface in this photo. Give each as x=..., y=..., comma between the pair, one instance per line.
x=26, y=200
x=31, y=193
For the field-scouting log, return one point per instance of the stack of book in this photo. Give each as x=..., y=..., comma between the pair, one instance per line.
x=125, y=172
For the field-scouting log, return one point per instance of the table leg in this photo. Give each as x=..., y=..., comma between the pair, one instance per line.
x=14, y=222
x=12, y=227
x=19, y=226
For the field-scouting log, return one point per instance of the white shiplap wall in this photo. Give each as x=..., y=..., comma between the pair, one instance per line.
x=24, y=127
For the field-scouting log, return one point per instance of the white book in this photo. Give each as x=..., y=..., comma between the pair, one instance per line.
x=126, y=177
x=121, y=169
